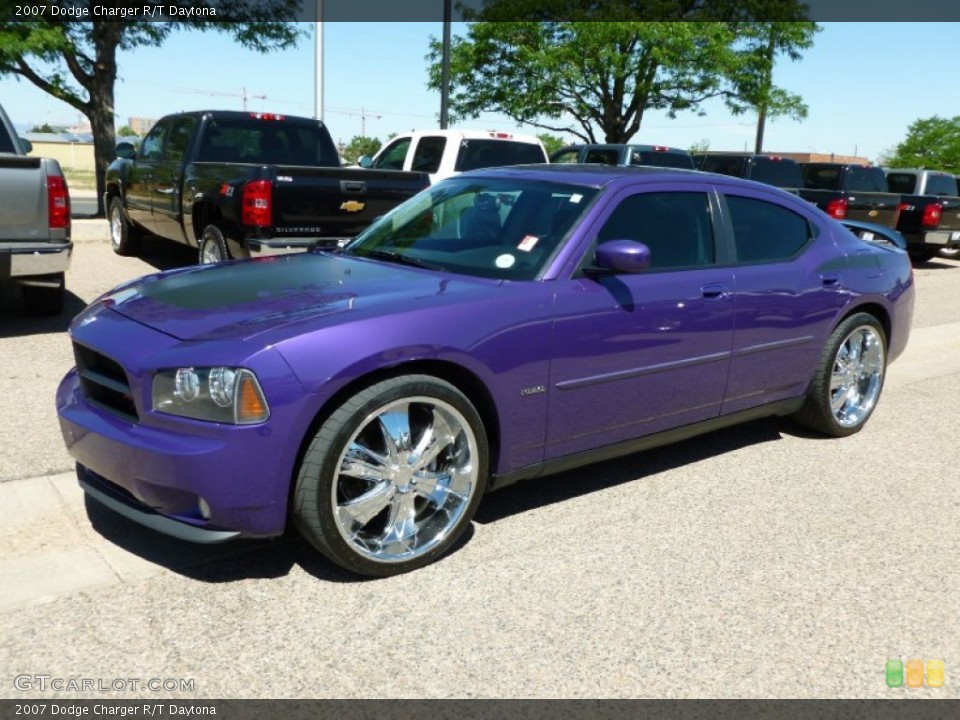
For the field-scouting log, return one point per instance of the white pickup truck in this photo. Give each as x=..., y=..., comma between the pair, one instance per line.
x=35, y=244
x=442, y=153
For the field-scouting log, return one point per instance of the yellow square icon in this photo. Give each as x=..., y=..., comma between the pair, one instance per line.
x=914, y=673
x=935, y=673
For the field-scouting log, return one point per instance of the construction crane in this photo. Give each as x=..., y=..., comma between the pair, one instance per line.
x=242, y=94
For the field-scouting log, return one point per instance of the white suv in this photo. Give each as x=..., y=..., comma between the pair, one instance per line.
x=442, y=153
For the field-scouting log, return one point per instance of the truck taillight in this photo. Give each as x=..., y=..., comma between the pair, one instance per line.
x=931, y=215
x=257, y=201
x=265, y=116
x=58, y=202
x=837, y=208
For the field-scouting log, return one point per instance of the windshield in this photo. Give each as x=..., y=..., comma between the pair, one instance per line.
x=502, y=228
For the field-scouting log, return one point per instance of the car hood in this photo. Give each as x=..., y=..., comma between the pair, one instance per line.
x=238, y=300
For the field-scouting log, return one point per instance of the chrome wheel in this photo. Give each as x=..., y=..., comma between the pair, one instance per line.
x=857, y=376
x=404, y=479
x=213, y=246
x=392, y=476
x=116, y=227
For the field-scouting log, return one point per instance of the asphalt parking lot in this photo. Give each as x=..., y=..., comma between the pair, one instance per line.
x=758, y=561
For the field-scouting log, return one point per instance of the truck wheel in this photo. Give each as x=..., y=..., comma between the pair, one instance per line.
x=847, y=383
x=124, y=236
x=393, y=477
x=213, y=246
x=952, y=253
x=45, y=300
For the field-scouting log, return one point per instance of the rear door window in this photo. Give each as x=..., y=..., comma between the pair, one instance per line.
x=764, y=231
x=428, y=154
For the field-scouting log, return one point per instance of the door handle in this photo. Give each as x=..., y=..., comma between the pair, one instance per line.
x=830, y=280
x=713, y=291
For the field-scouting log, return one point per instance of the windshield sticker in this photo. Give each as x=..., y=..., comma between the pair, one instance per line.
x=505, y=261
x=576, y=197
x=528, y=243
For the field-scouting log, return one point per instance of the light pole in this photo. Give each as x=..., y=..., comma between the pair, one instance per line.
x=445, y=67
x=318, y=63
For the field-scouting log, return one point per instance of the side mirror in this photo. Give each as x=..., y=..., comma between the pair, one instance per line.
x=126, y=150
x=623, y=256
x=26, y=145
x=365, y=161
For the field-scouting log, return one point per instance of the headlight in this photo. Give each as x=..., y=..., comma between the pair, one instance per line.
x=219, y=394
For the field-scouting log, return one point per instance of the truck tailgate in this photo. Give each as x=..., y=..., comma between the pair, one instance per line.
x=880, y=208
x=23, y=189
x=337, y=202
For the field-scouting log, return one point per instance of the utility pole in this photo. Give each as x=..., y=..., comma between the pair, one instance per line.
x=445, y=68
x=318, y=63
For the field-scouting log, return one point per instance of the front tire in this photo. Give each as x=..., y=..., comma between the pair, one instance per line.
x=125, y=237
x=213, y=246
x=393, y=477
x=849, y=379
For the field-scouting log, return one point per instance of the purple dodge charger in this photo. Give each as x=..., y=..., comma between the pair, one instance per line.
x=501, y=325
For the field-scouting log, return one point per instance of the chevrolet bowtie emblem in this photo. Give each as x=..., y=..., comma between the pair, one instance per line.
x=352, y=205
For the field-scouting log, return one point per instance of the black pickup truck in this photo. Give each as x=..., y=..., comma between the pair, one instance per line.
x=237, y=184
x=781, y=172
x=849, y=191
x=929, y=211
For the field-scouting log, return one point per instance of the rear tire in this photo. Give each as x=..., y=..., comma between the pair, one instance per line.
x=213, y=246
x=125, y=237
x=952, y=253
x=393, y=477
x=45, y=300
x=849, y=378
x=921, y=254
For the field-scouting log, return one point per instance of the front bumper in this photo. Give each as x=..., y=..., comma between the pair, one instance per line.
x=27, y=260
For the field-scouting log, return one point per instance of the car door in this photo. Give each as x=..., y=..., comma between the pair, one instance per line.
x=140, y=178
x=787, y=289
x=635, y=354
x=168, y=178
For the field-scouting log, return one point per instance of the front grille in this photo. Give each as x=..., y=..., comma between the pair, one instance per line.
x=104, y=383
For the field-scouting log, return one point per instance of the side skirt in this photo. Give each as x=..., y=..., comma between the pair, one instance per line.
x=628, y=447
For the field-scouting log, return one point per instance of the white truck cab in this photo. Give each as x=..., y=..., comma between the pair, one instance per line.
x=442, y=153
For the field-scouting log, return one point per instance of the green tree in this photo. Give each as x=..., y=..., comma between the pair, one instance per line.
x=45, y=128
x=552, y=143
x=359, y=146
x=76, y=62
x=595, y=80
x=932, y=143
x=126, y=131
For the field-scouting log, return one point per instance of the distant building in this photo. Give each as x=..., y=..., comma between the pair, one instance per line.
x=823, y=158
x=141, y=125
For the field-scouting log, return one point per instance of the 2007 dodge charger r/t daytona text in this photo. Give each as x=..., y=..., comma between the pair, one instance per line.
x=502, y=325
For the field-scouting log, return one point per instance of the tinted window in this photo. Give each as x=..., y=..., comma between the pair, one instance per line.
x=903, y=183
x=6, y=143
x=821, y=177
x=268, y=142
x=428, y=154
x=602, y=156
x=661, y=159
x=179, y=138
x=393, y=155
x=723, y=165
x=778, y=172
x=766, y=232
x=941, y=185
x=675, y=226
x=476, y=154
x=866, y=179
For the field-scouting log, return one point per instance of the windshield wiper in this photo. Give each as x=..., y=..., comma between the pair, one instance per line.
x=400, y=259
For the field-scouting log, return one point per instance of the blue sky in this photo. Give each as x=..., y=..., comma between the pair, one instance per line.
x=864, y=84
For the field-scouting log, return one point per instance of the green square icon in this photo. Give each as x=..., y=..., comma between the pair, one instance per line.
x=894, y=672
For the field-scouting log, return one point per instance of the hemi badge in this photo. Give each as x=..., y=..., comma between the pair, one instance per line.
x=352, y=205
x=535, y=390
